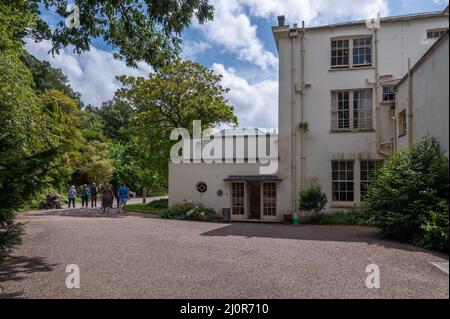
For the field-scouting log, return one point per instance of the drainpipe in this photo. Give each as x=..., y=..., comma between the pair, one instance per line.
x=294, y=126
x=410, y=103
x=377, y=83
x=302, y=82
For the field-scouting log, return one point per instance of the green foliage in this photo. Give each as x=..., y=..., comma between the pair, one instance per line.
x=47, y=78
x=172, y=97
x=96, y=163
x=338, y=218
x=190, y=211
x=160, y=203
x=304, y=126
x=409, y=196
x=10, y=232
x=313, y=199
x=140, y=30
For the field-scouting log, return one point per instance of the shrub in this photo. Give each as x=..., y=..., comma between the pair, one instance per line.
x=160, y=203
x=313, y=199
x=409, y=196
x=191, y=212
x=354, y=217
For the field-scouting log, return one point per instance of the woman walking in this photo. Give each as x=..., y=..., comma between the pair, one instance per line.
x=107, y=198
x=72, y=195
x=85, y=196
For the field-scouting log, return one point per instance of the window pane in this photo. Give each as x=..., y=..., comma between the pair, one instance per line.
x=362, y=51
x=342, y=181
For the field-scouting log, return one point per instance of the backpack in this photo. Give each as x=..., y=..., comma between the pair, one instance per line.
x=87, y=192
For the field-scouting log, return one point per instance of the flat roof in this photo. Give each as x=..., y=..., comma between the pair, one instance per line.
x=406, y=17
x=252, y=178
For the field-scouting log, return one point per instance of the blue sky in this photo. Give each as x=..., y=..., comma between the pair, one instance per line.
x=238, y=44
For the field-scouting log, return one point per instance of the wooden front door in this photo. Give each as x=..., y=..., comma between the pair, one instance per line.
x=254, y=191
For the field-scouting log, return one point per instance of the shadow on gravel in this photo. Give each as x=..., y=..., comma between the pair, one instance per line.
x=333, y=233
x=16, y=268
x=90, y=212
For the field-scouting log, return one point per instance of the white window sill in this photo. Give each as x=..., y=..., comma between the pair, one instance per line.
x=343, y=205
x=352, y=131
x=352, y=68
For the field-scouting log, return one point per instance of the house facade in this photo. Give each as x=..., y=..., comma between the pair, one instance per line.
x=336, y=113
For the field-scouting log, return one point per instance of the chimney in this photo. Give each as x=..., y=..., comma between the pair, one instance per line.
x=281, y=21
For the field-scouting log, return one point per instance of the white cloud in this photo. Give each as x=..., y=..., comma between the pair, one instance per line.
x=91, y=73
x=233, y=30
x=315, y=12
x=191, y=48
x=256, y=104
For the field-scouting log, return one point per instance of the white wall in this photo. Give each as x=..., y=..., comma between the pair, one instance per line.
x=430, y=98
x=398, y=41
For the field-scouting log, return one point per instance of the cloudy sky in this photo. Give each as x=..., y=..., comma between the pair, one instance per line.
x=238, y=44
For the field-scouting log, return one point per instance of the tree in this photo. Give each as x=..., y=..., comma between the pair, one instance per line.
x=96, y=163
x=313, y=199
x=46, y=77
x=172, y=97
x=141, y=30
x=409, y=196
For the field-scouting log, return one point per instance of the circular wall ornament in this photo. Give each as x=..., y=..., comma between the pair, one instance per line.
x=219, y=192
x=202, y=187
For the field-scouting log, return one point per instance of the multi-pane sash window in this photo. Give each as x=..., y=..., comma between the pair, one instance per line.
x=362, y=51
x=367, y=171
x=342, y=181
x=340, y=53
x=237, y=198
x=351, y=110
x=362, y=109
x=351, y=52
x=270, y=199
x=436, y=34
x=388, y=93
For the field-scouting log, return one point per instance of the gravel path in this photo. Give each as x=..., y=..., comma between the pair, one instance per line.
x=136, y=257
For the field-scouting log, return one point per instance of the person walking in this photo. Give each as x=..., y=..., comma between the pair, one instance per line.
x=85, y=196
x=124, y=194
x=72, y=196
x=94, y=191
x=107, y=198
x=116, y=195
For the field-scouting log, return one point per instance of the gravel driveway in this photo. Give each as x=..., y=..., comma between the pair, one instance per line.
x=138, y=257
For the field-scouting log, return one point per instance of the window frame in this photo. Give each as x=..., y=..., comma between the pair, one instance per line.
x=363, y=183
x=269, y=199
x=337, y=107
x=392, y=92
x=440, y=32
x=339, y=181
x=238, y=202
x=402, y=123
x=350, y=54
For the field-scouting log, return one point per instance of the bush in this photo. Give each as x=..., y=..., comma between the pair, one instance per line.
x=338, y=218
x=160, y=203
x=191, y=212
x=313, y=199
x=409, y=196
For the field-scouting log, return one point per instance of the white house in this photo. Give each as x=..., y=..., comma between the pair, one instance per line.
x=336, y=117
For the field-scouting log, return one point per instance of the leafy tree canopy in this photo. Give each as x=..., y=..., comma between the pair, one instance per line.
x=141, y=30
